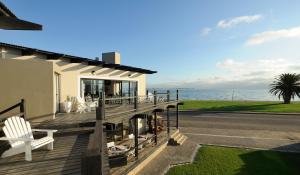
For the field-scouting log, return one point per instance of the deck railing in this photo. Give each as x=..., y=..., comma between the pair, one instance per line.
x=121, y=105
x=21, y=113
x=95, y=159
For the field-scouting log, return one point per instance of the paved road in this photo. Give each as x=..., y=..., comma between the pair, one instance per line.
x=279, y=132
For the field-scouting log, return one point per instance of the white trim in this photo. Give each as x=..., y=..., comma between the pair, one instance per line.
x=97, y=77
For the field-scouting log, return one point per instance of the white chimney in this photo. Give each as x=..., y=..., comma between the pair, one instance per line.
x=111, y=58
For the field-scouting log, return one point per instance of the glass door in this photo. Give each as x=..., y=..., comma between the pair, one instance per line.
x=91, y=89
x=57, y=92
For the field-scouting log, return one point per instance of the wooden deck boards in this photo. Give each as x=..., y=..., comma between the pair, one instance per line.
x=66, y=156
x=64, y=159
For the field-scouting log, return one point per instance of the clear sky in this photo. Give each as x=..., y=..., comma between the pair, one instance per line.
x=191, y=43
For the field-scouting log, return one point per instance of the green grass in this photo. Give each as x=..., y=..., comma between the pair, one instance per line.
x=239, y=106
x=212, y=160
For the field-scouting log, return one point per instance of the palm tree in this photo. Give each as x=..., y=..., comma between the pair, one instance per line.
x=286, y=86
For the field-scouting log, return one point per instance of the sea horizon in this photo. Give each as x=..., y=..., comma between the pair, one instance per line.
x=222, y=94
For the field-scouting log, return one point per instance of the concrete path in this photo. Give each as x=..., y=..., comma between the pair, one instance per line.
x=172, y=155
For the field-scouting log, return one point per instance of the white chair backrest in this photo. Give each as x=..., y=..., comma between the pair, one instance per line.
x=17, y=127
x=150, y=96
x=80, y=100
x=131, y=136
x=110, y=144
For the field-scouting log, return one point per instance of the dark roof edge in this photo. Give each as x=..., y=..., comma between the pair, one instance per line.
x=7, y=11
x=79, y=59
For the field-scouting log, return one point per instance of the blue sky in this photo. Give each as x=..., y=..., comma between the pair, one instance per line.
x=200, y=44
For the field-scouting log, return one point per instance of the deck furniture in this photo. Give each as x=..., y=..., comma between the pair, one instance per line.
x=116, y=149
x=19, y=134
x=81, y=105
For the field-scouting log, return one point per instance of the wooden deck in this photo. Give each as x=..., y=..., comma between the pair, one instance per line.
x=64, y=159
x=66, y=156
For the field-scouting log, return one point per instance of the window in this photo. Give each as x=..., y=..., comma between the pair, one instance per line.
x=91, y=88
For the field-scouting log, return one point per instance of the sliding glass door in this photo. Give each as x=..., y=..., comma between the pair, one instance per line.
x=128, y=88
x=91, y=88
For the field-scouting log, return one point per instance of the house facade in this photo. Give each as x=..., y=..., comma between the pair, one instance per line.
x=46, y=79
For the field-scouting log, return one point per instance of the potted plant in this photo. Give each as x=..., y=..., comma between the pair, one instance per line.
x=68, y=104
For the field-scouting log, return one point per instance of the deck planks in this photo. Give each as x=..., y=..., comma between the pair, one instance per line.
x=64, y=159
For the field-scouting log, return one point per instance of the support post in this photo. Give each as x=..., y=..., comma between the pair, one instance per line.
x=168, y=96
x=155, y=98
x=155, y=127
x=100, y=110
x=147, y=92
x=177, y=114
x=129, y=94
x=136, y=141
x=95, y=159
x=135, y=100
x=149, y=121
x=22, y=108
x=168, y=122
x=122, y=131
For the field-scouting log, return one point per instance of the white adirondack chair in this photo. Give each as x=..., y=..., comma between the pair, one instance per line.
x=81, y=105
x=19, y=134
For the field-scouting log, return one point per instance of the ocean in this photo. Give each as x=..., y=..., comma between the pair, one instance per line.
x=224, y=94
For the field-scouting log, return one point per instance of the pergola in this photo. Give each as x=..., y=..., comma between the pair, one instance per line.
x=9, y=21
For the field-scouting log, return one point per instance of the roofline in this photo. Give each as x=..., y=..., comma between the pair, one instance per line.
x=9, y=21
x=6, y=10
x=76, y=59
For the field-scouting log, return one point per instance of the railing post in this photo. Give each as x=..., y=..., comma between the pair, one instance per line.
x=147, y=92
x=155, y=98
x=168, y=96
x=177, y=112
x=168, y=122
x=136, y=142
x=135, y=100
x=155, y=127
x=100, y=110
x=22, y=108
x=95, y=159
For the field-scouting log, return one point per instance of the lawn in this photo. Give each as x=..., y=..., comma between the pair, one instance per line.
x=238, y=106
x=212, y=160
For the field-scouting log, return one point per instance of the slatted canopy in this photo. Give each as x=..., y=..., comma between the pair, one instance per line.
x=9, y=21
x=76, y=59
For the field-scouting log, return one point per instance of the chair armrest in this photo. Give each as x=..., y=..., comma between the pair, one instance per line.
x=16, y=139
x=44, y=130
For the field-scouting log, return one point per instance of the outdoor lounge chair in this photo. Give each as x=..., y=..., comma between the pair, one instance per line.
x=81, y=105
x=116, y=149
x=19, y=134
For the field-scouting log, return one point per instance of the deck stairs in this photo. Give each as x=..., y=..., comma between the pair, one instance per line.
x=177, y=138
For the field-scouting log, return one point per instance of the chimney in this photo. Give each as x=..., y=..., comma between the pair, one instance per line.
x=111, y=58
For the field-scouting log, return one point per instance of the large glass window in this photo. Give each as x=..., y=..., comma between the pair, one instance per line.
x=128, y=88
x=91, y=88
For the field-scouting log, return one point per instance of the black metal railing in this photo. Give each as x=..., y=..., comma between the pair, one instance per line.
x=21, y=113
x=95, y=159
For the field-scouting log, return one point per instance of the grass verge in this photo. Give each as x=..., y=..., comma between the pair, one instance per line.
x=213, y=160
x=241, y=106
